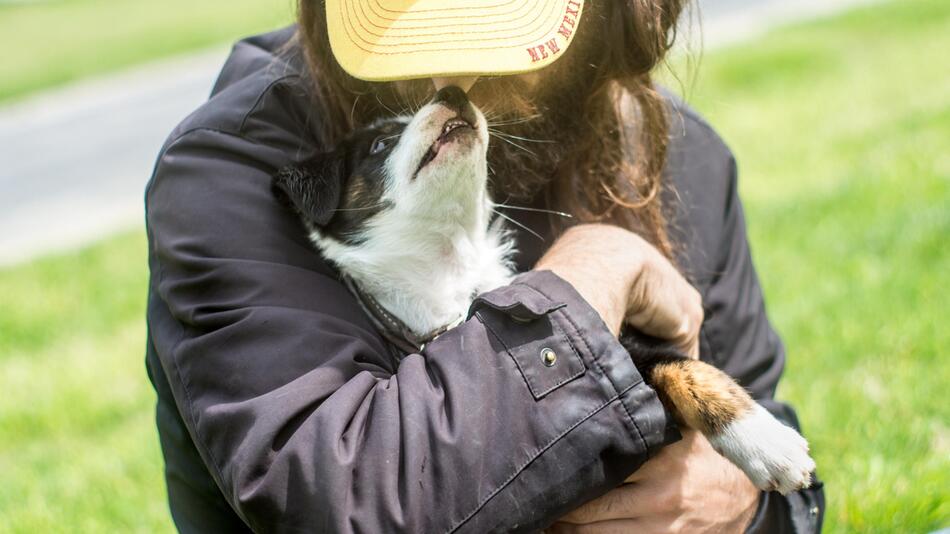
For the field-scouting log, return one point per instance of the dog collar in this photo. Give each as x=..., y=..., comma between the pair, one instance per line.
x=391, y=327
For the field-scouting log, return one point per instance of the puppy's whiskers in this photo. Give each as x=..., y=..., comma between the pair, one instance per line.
x=512, y=143
x=381, y=204
x=516, y=223
x=517, y=120
x=388, y=137
x=387, y=108
x=353, y=109
x=518, y=137
x=524, y=208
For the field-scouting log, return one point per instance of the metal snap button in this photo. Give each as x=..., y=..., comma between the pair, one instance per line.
x=548, y=357
x=521, y=319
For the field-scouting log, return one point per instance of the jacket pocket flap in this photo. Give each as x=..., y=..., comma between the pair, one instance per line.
x=540, y=348
x=520, y=302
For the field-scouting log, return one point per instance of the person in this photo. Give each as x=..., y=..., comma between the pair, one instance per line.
x=281, y=409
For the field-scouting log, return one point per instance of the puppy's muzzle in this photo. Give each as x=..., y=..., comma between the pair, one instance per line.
x=464, y=120
x=455, y=99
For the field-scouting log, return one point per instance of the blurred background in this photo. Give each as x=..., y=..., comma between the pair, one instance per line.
x=838, y=112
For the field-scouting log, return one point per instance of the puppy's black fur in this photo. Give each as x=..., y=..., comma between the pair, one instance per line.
x=341, y=189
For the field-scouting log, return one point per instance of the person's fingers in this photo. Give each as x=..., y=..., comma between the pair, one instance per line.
x=611, y=505
x=663, y=304
x=617, y=526
x=629, y=501
x=669, y=461
x=692, y=303
x=655, y=304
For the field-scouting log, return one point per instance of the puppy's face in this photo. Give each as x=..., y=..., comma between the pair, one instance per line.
x=431, y=165
x=440, y=156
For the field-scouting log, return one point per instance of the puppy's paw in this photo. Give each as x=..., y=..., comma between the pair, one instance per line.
x=773, y=455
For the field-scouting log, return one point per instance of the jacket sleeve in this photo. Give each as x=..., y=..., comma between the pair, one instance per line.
x=738, y=337
x=307, y=423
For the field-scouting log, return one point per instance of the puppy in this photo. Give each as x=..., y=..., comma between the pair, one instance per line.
x=401, y=207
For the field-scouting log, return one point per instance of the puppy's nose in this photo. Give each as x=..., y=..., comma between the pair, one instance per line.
x=455, y=99
x=452, y=97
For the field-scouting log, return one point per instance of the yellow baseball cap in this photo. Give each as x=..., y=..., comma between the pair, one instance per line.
x=383, y=40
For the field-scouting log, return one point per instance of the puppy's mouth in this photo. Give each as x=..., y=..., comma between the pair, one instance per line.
x=452, y=129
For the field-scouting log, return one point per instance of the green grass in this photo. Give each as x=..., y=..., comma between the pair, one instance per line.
x=841, y=129
x=78, y=447
x=48, y=43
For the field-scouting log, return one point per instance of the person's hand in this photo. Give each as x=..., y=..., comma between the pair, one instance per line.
x=625, y=278
x=663, y=304
x=687, y=487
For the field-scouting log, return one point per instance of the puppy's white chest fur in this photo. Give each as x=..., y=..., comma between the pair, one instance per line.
x=426, y=270
x=424, y=246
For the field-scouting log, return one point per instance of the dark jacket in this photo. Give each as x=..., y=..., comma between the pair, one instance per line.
x=280, y=409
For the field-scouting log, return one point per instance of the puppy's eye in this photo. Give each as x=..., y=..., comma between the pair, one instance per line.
x=379, y=144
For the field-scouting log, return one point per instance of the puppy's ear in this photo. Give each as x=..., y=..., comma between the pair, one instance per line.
x=314, y=187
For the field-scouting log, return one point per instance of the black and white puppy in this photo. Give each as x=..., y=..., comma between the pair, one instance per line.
x=402, y=208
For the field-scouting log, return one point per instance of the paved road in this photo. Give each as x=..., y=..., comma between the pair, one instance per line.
x=74, y=161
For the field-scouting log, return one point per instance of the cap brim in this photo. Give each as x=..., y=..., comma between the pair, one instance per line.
x=382, y=40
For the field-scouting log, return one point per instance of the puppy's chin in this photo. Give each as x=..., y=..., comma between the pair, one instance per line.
x=459, y=171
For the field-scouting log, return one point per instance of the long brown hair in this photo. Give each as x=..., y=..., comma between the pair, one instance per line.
x=607, y=119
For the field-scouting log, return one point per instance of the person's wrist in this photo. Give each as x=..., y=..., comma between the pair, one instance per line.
x=601, y=262
x=606, y=302
x=579, y=282
x=609, y=304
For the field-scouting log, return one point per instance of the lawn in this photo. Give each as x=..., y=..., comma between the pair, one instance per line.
x=842, y=133
x=841, y=128
x=51, y=42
